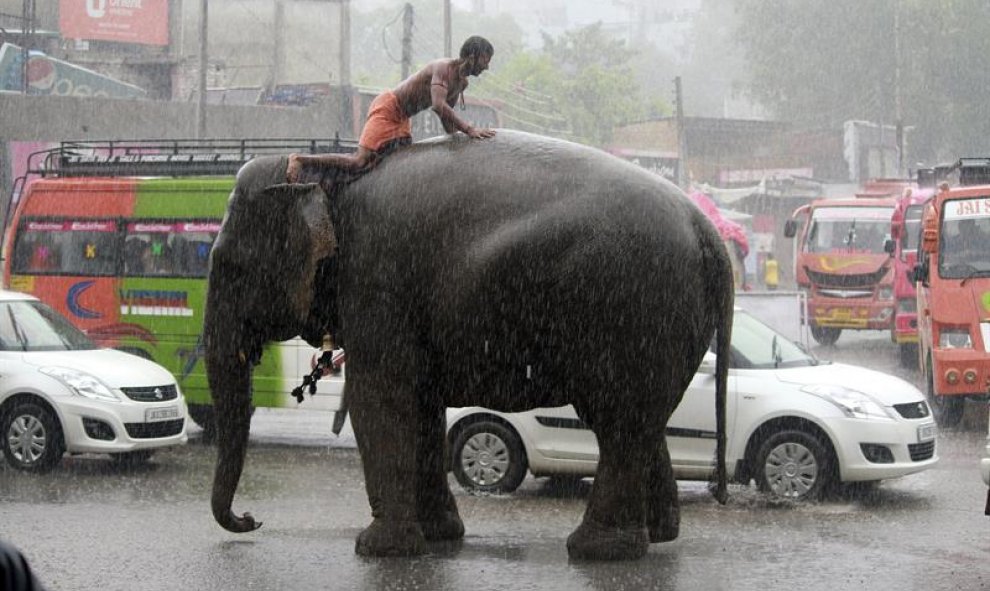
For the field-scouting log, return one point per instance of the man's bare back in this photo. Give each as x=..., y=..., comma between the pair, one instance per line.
x=438, y=85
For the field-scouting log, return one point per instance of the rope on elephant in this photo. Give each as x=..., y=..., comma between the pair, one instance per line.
x=327, y=363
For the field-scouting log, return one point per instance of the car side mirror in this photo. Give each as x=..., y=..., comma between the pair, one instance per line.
x=889, y=246
x=919, y=274
x=790, y=228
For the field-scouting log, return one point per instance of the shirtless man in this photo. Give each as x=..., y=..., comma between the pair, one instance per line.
x=439, y=85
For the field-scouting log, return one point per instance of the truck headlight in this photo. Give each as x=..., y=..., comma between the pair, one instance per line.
x=852, y=403
x=81, y=383
x=954, y=338
x=886, y=292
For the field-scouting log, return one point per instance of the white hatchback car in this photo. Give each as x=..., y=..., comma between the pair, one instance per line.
x=796, y=425
x=60, y=393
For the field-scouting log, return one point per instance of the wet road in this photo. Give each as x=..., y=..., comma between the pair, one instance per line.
x=89, y=526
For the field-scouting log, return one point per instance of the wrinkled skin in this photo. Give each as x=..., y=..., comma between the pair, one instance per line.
x=511, y=273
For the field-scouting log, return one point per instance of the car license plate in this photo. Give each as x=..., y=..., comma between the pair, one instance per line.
x=160, y=414
x=926, y=432
x=842, y=314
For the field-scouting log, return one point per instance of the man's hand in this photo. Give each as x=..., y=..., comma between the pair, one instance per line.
x=480, y=133
x=293, y=169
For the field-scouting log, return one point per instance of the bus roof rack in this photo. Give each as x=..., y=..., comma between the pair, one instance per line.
x=212, y=157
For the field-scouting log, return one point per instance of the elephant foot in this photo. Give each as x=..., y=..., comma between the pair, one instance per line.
x=446, y=526
x=391, y=538
x=667, y=528
x=590, y=542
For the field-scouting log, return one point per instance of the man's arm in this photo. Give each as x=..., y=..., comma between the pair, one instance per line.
x=439, y=86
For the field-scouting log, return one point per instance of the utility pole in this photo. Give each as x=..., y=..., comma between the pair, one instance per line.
x=681, y=140
x=201, y=104
x=278, y=55
x=345, y=43
x=898, y=115
x=407, y=26
x=446, y=30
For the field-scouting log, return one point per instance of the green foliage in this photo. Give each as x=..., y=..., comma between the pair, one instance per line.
x=821, y=63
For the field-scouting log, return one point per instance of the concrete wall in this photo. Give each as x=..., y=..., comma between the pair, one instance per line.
x=53, y=118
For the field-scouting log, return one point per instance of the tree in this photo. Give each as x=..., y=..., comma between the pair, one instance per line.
x=821, y=63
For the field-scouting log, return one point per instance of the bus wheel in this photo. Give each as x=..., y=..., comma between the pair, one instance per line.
x=824, y=335
x=202, y=415
x=948, y=410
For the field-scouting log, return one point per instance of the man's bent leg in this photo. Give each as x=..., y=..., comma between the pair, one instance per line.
x=318, y=164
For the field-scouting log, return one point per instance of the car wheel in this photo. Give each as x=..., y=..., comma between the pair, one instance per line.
x=488, y=457
x=824, y=335
x=203, y=415
x=32, y=437
x=794, y=465
x=132, y=459
x=947, y=410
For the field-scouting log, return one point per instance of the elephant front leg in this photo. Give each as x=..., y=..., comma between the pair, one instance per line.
x=384, y=418
x=614, y=525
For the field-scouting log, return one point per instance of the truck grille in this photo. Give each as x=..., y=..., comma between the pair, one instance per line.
x=921, y=451
x=154, y=430
x=151, y=393
x=858, y=281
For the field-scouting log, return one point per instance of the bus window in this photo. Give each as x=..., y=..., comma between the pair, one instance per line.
x=174, y=249
x=66, y=247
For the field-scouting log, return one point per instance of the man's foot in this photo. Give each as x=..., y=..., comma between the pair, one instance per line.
x=293, y=169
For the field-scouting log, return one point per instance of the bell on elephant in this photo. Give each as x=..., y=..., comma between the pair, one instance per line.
x=447, y=271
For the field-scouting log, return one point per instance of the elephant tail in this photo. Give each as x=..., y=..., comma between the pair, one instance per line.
x=722, y=345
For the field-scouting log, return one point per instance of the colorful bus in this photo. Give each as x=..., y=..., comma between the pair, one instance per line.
x=117, y=238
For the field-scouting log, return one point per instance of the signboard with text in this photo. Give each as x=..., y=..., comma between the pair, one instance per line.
x=47, y=76
x=143, y=22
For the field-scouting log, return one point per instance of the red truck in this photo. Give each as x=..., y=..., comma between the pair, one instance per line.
x=953, y=291
x=842, y=264
x=905, y=228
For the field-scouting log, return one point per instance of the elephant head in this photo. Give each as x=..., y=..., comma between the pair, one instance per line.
x=263, y=264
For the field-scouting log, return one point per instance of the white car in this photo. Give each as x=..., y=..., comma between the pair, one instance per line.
x=796, y=425
x=60, y=394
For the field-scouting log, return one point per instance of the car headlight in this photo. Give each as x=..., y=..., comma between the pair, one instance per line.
x=886, y=292
x=907, y=305
x=852, y=403
x=954, y=338
x=81, y=383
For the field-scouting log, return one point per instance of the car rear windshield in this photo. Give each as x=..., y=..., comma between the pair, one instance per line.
x=33, y=326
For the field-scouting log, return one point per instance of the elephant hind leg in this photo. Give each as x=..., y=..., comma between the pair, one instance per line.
x=436, y=508
x=614, y=524
x=663, y=513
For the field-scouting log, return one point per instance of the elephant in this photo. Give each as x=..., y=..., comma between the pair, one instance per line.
x=510, y=273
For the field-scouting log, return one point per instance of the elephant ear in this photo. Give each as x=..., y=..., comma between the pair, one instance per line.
x=272, y=241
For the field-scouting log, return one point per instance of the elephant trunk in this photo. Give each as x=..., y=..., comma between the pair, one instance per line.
x=229, y=364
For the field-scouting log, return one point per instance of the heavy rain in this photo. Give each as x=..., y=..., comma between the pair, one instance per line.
x=447, y=294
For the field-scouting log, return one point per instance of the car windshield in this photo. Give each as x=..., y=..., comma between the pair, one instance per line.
x=757, y=346
x=33, y=326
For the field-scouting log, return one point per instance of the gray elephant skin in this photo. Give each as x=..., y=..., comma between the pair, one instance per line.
x=510, y=273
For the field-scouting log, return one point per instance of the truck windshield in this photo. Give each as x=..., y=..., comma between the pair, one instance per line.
x=964, y=241
x=858, y=229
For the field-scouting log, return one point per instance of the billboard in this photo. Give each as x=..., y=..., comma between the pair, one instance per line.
x=48, y=76
x=127, y=21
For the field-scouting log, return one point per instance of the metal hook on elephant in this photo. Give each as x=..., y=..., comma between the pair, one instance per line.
x=327, y=363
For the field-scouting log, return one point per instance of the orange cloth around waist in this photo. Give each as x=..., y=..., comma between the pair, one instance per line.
x=385, y=122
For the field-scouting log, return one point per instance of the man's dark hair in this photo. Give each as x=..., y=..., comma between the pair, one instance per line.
x=475, y=46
